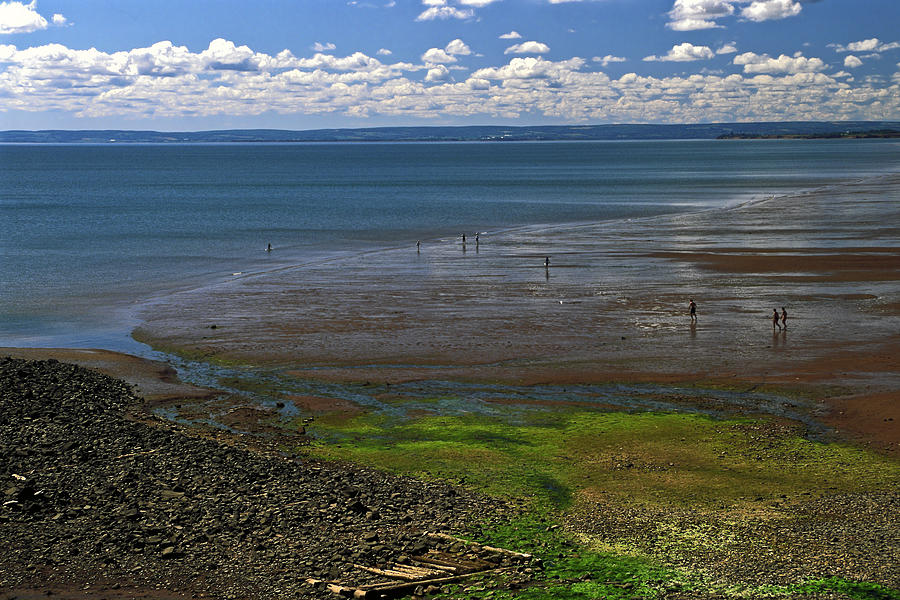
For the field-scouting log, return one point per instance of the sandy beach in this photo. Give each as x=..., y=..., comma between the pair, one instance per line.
x=612, y=306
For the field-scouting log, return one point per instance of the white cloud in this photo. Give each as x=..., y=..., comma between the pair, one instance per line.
x=320, y=47
x=18, y=17
x=685, y=52
x=165, y=80
x=851, y=62
x=223, y=54
x=763, y=63
x=383, y=52
x=458, y=47
x=528, y=48
x=512, y=35
x=767, y=10
x=609, y=58
x=870, y=45
x=729, y=48
x=437, y=73
x=59, y=20
x=438, y=9
x=437, y=56
x=477, y=3
x=690, y=15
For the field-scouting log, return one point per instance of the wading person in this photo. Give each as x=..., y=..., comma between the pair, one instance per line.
x=693, y=309
x=784, y=318
x=775, y=320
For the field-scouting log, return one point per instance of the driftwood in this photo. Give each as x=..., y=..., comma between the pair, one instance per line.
x=395, y=589
x=450, y=538
x=433, y=568
x=443, y=565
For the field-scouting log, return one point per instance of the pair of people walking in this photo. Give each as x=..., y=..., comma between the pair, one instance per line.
x=779, y=321
x=776, y=318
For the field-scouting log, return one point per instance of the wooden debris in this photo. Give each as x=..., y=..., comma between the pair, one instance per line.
x=435, y=567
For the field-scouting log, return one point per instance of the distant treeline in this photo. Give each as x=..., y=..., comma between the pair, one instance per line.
x=487, y=133
x=874, y=133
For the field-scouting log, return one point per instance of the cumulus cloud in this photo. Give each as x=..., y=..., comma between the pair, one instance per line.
x=165, y=80
x=870, y=45
x=851, y=62
x=690, y=15
x=437, y=73
x=326, y=47
x=512, y=35
x=18, y=17
x=437, y=56
x=383, y=52
x=458, y=47
x=528, y=48
x=685, y=52
x=440, y=10
x=224, y=55
x=729, y=48
x=763, y=63
x=768, y=10
x=609, y=58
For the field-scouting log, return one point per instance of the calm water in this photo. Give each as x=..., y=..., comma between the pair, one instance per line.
x=89, y=232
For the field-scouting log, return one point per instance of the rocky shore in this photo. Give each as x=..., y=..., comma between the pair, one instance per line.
x=97, y=495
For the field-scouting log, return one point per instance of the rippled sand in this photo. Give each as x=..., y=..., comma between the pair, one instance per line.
x=611, y=306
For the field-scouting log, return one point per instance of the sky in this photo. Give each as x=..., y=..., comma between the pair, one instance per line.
x=185, y=65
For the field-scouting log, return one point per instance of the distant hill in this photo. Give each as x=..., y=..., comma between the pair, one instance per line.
x=488, y=133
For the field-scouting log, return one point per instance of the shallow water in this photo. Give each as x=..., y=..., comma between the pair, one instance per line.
x=90, y=233
x=399, y=402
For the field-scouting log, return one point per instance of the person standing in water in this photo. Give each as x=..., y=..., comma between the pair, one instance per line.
x=775, y=320
x=784, y=318
x=693, y=309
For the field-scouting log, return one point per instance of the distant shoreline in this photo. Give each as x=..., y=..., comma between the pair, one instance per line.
x=857, y=135
x=491, y=133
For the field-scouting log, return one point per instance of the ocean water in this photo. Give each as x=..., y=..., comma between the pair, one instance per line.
x=90, y=233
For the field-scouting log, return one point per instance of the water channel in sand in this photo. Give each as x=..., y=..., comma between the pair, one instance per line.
x=467, y=326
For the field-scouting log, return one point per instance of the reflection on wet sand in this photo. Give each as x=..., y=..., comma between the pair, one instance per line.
x=615, y=307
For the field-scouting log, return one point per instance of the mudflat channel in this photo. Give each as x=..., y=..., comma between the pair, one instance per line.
x=610, y=307
x=556, y=370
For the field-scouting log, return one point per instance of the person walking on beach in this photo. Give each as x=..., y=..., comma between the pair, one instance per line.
x=784, y=318
x=775, y=320
x=693, y=308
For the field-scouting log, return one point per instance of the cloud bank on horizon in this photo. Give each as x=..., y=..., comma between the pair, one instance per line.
x=69, y=64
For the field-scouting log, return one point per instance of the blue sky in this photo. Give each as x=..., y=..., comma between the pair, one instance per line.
x=304, y=64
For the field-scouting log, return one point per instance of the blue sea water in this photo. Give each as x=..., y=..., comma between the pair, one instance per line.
x=89, y=232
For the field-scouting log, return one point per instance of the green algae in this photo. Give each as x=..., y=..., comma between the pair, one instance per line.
x=663, y=462
x=645, y=458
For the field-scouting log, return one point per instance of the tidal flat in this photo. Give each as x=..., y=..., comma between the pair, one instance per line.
x=632, y=453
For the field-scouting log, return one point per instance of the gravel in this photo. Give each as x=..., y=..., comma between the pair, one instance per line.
x=94, y=492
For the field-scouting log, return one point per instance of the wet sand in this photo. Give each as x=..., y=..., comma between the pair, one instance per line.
x=612, y=306
x=156, y=381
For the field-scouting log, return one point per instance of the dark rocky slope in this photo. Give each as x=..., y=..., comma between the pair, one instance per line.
x=94, y=492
